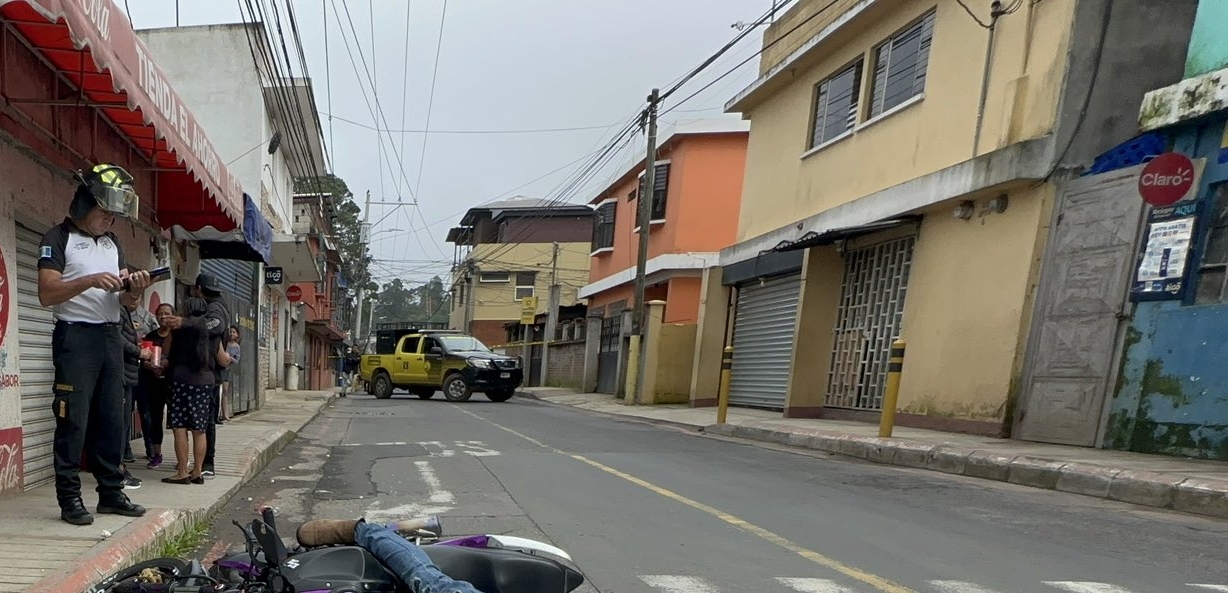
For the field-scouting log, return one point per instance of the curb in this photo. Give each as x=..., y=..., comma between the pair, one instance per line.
x=1196, y=496
x=141, y=539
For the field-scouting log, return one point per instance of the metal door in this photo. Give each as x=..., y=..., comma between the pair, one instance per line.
x=34, y=325
x=764, y=323
x=535, y=366
x=239, y=293
x=608, y=354
x=867, y=322
x=1080, y=309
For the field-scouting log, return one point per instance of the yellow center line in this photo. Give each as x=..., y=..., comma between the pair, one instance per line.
x=880, y=583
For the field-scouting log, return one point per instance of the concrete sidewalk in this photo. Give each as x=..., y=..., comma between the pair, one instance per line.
x=1187, y=485
x=41, y=553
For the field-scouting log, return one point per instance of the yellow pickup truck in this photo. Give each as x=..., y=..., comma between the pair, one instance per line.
x=425, y=361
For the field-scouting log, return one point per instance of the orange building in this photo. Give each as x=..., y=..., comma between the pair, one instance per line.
x=322, y=302
x=697, y=194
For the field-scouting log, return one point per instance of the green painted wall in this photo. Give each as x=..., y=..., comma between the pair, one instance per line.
x=1208, y=42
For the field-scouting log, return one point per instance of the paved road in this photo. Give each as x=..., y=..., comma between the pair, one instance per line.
x=646, y=508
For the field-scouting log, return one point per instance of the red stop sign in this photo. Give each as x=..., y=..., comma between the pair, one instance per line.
x=1166, y=179
x=294, y=294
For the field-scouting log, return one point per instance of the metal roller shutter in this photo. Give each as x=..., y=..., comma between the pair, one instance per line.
x=238, y=283
x=764, y=322
x=34, y=325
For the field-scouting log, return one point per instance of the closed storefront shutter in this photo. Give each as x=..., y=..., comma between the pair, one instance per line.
x=764, y=323
x=239, y=293
x=34, y=325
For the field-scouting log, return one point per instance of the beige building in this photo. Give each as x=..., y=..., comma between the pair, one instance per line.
x=902, y=169
x=512, y=249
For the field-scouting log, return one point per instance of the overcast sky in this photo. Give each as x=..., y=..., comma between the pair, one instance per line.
x=504, y=65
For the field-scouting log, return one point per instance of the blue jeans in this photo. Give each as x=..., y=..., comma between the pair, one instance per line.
x=408, y=561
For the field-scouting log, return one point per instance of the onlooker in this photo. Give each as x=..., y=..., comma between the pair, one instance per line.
x=234, y=352
x=213, y=324
x=81, y=266
x=142, y=322
x=190, y=408
x=349, y=367
x=133, y=356
x=155, y=387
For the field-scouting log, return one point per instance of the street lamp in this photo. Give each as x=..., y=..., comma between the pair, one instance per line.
x=373, y=235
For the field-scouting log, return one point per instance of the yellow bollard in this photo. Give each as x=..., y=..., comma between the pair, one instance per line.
x=722, y=398
x=891, y=396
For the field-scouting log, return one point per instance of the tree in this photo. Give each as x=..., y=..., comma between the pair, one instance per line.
x=397, y=302
x=346, y=231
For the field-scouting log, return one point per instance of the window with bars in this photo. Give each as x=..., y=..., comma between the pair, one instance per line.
x=835, y=105
x=660, y=189
x=603, y=226
x=1212, y=285
x=524, y=284
x=900, y=65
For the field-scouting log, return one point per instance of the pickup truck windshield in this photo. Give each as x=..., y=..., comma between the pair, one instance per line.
x=463, y=344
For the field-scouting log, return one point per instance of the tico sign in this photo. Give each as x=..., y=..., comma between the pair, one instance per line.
x=1166, y=179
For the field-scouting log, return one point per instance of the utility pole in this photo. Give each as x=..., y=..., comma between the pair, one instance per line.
x=641, y=264
x=552, y=313
x=364, y=236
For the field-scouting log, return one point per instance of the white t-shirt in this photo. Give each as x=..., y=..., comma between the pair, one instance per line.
x=75, y=254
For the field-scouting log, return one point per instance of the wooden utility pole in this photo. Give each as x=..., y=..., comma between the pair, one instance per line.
x=644, y=218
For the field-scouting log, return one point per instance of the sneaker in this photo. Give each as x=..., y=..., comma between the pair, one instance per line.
x=74, y=513
x=155, y=462
x=208, y=473
x=131, y=482
x=129, y=458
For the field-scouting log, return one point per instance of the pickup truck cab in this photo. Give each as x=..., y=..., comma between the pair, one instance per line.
x=425, y=361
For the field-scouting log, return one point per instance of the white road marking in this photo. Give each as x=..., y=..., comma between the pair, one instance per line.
x=439, y=501
x=476, y=448
x=1222, y=588
x=1086, y=587
x=959, y=587
x=814, y=585
x=671, y=583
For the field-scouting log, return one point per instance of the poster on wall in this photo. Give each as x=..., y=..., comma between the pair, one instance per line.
x=1163, y=260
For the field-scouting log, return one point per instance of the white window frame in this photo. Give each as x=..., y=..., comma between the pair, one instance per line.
x=531, y=287
x=482, y=277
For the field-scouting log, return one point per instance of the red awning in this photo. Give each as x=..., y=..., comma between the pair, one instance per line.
x=92, y=44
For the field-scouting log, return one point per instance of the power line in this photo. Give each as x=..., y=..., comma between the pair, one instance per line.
x=739, y=37
x=430, y=105
x=479, y=131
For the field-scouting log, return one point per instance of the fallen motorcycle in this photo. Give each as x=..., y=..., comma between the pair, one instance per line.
x=491, y=563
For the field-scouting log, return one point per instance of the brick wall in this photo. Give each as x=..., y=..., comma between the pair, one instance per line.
x=489, y=331
x=566, y=365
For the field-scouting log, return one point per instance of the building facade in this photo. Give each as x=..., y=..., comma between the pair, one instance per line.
x=78, y=91
x=1163, y=391
x=511, y=250
x=695, y=202
x=266, y=125
x=321, y=303
x=900, y=183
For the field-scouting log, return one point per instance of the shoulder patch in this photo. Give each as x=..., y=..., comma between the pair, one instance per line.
x=44, y=252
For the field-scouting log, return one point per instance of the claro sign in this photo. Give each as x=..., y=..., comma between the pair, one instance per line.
x=1166, y=179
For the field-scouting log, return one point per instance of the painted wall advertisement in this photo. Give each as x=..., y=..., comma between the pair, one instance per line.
x=1163, y=260
x=10, y=383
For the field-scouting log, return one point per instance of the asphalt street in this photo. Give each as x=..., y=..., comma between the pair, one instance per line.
x=647, y=508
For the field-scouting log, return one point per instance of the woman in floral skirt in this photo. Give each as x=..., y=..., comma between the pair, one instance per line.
x=190, y=408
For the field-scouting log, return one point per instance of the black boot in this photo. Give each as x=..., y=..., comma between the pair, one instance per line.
x=75, y=513
x=121, y=506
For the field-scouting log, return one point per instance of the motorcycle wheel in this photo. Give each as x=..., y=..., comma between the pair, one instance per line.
x=164, y=567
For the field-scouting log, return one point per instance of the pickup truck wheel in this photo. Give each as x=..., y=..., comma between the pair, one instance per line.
x=382, y=387
x=455, y=389
x=424, y=392
x=500, y=395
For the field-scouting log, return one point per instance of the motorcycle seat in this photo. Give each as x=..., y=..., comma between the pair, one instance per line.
x=504, y=571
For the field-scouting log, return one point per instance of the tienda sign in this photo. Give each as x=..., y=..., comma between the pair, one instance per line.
x=1166, y=179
